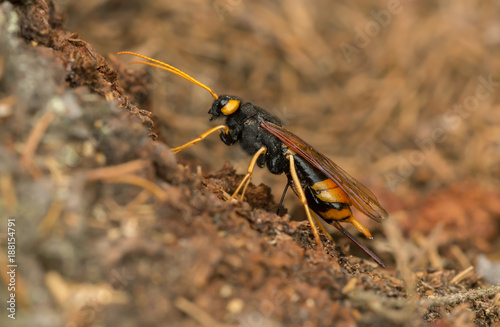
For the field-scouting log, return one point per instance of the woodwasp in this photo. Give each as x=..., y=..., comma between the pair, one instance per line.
x=320, y=184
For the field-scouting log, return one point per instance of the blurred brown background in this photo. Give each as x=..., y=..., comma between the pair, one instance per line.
x=403, y=95
x=389, y=91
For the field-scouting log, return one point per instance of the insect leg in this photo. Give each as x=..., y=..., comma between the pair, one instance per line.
x=303, y=199
x=337, y=225
x=359, y=227
x=246, y=179
x=201, y=137
x=318, y=222
x=360, y=245
x=282, y=197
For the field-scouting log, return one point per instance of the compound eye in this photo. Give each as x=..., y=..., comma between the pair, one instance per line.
x=230, y=106
x=223, y=102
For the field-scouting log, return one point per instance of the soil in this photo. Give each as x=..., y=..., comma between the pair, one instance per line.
x=113, y=229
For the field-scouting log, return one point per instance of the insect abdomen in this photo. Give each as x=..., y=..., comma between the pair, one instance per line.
x=330, y=202
x=324, y=196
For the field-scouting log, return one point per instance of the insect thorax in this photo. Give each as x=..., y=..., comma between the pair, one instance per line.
x=244, y=126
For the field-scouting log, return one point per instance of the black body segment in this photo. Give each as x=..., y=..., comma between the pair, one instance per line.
x=326, y=208
x=362, y=198
x=327, y=188
x=320, y=184
x=244, y=126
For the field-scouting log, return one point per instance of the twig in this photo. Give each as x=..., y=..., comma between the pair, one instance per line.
x=33, y=141
x=397, y=242
x=117, y=170
x=8, y=191
x=460, y=256
x=7, y=103
x=461, y=297
x=389, y=307
x=157, y=191
x=123, y=174
x=51, y=217
x=198, y=314
x=140, y=199
x=22, y=295
x=462, y=275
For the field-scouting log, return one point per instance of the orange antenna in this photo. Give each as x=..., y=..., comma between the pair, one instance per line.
x=168, y=68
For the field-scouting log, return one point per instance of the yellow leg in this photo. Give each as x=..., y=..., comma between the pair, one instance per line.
x=359, y=227
x=246, y=179
x=318, y=222
x=303, y=199
x=201, y=137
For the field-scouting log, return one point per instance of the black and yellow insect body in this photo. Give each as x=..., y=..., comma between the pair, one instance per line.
x=321, y=185
x=243, y=123
x=325, y=197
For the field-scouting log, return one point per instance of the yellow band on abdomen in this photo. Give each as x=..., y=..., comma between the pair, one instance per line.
x=328, y=191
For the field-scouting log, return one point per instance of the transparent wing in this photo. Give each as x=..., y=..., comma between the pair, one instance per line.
x=362, y=198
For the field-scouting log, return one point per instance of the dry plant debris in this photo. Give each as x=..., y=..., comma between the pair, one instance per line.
x=113, y=230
